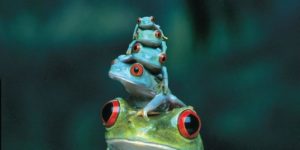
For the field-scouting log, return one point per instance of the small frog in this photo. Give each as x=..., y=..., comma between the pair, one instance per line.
x=144, y=23
x=177, y=129
x=138, y=82
x=152, y=59
x=150, y=38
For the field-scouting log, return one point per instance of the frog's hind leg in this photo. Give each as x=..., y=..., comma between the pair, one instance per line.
x=165, y=80
x=164, y=47
x=135, y=32
x=153, y=104
x=130, y=47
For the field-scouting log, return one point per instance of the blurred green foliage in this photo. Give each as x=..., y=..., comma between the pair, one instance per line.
x=236, y=62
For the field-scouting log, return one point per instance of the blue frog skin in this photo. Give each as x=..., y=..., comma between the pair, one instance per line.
x=152, y=59
x=147, y=23
x=149, y=38
x=177, y=129
x=138, y=82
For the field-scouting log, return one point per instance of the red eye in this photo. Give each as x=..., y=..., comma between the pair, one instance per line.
x=162, y=58
x=152, y=19
x=136, y=69
x=136, y=48
x=139, y=20
x=110, y=113
x=189, y=124
x=157, y=34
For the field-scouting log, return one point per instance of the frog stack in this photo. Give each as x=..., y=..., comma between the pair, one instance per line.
x=145, y=78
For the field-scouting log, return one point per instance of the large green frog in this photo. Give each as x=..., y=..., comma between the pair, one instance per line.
x=177, y=129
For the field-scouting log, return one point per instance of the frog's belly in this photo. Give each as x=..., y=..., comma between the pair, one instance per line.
x=120, y=144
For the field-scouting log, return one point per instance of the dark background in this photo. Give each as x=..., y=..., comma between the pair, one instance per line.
x=236, y=61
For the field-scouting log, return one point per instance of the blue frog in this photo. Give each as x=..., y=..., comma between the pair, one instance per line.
x=140, y=83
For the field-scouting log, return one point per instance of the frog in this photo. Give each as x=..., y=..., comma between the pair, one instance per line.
x=178, y=129
x=147, y=22
x=150, y=38
x=141, y=84
x=152, y=59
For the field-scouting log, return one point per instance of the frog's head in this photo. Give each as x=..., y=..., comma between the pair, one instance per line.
x=134, y=77
x=177, y=129
x=152, y=58
x=149, y=37
x=146, y=22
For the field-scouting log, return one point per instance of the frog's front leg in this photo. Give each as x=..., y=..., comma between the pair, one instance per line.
x=135, y=32
x=130, y=47
x=164, y=47
x=165, y=80
x=153, y=104
x=157, y=27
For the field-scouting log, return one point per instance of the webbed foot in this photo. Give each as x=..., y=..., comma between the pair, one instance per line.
x=144, y=114
x=164, y=37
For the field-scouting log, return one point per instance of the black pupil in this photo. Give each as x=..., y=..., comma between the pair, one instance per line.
x=136, y=69
x=107, y=111
x=191, y=124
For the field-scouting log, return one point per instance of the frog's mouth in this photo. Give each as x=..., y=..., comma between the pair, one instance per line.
x=122, y=144
x=147, y=26
x=120, y=78
x=149, y=42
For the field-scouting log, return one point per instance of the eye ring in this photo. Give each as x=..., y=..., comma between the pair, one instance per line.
x=137, y=69
x=162, y=58
x=110, y=112
x=136, y=47
x=157, y=34
x=152, y=19
x=139, y=20
x=189, y=124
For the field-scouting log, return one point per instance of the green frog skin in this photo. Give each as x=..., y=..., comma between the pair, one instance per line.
x=138, y=82
x=150, y=38
x=177, y=129
x=148, y=23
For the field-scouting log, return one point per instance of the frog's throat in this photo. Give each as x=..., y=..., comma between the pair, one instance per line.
x=122, y=144
x=142, y=89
